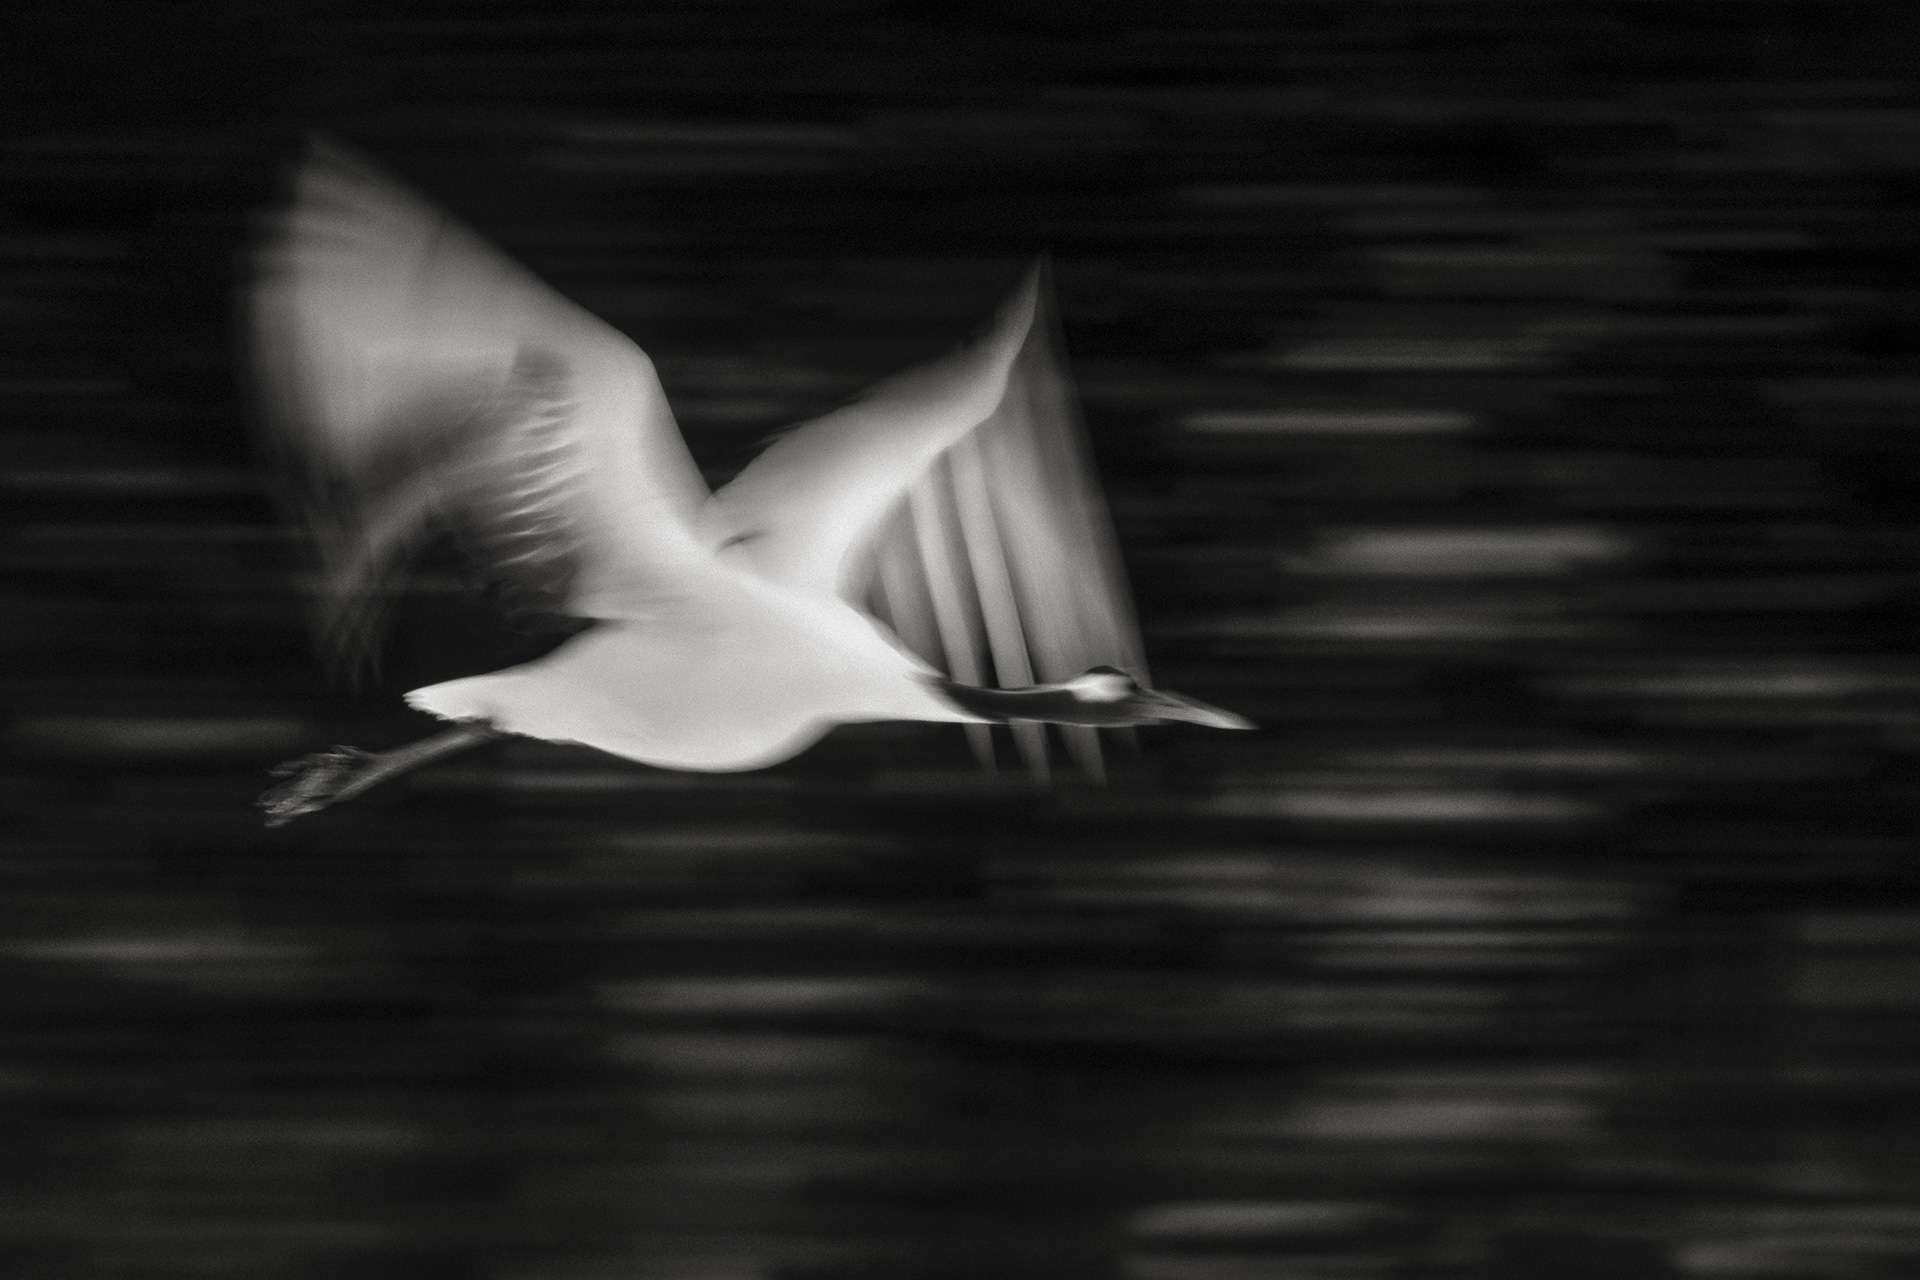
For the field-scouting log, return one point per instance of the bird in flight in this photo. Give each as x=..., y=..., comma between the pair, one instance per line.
x=903, y=557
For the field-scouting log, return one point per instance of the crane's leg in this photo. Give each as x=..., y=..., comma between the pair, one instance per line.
x=327, y=777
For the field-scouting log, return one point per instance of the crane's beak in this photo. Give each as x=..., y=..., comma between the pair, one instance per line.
x=1171, y=706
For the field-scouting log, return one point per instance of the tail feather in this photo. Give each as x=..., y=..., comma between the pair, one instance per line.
x=466, y=700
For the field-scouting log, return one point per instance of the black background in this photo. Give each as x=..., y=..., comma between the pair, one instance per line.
x=1510, y=406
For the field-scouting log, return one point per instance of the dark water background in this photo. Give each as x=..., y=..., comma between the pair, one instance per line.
x=1511, y=406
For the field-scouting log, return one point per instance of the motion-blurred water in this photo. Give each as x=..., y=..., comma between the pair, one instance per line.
x=1509, y=406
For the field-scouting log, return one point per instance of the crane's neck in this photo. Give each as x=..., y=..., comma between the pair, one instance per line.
x=999, y=706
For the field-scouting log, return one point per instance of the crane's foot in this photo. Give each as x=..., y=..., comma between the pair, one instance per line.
x=313, y=782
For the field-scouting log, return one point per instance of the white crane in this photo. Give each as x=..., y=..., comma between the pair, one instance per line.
x=414, y=372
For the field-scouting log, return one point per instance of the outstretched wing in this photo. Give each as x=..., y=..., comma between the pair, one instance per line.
x=807, y=507
x=408, y=368
x=962, y=505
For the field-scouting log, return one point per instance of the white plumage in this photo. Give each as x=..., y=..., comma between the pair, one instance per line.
x=412, y=370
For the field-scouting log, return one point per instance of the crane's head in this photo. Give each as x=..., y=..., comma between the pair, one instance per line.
x=1109, y=696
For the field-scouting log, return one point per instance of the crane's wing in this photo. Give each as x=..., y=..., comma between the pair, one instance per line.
x=411, y=369
x=960, y=502
x=809, y=504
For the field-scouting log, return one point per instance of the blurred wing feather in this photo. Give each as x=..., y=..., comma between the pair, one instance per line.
x=938, y=540
x=1070, y=583
x=808, y=506
x=409, y=368
x=1044, y=567
x=994, y=557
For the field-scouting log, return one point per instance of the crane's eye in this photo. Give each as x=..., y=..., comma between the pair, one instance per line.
x=1102, y=684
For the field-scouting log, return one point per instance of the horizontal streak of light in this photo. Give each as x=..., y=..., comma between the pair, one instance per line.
x=1392, y=939
x=153, y=734
x=1262, y=195
x=1715, y=327
x=1177, y=1006
x=1405, y=897
x=1557, y=1078
x=691, y=134
x=875, y=923
x=1483, y=953
x=1482, y=222
x=1506, y=258
x=140, y=952
x=1410, y=805
x=1770, y=1219
x=1408, y=1011
x=586, y=779
x=1736, y=684
x=907, y=780
x=1842, y=1248
x=122, y=480
x=1309, y=422
x=759, y=995
x=1751, y=593
x=1731, y=241
x=1408, y=354
x=777, y=1107
x=1233, y=1218
x=1385, y=625
x=1183, y=869
x=1550, y=759
x=742, y=922
x=1086, y=128
x=1436, y=1117
x=706, y=841
x=760, y=164
x=1243, y=902
x=752, y=1055
x=1464, y=552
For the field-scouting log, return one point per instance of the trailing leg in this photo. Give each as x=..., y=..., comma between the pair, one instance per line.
x=327, y=777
